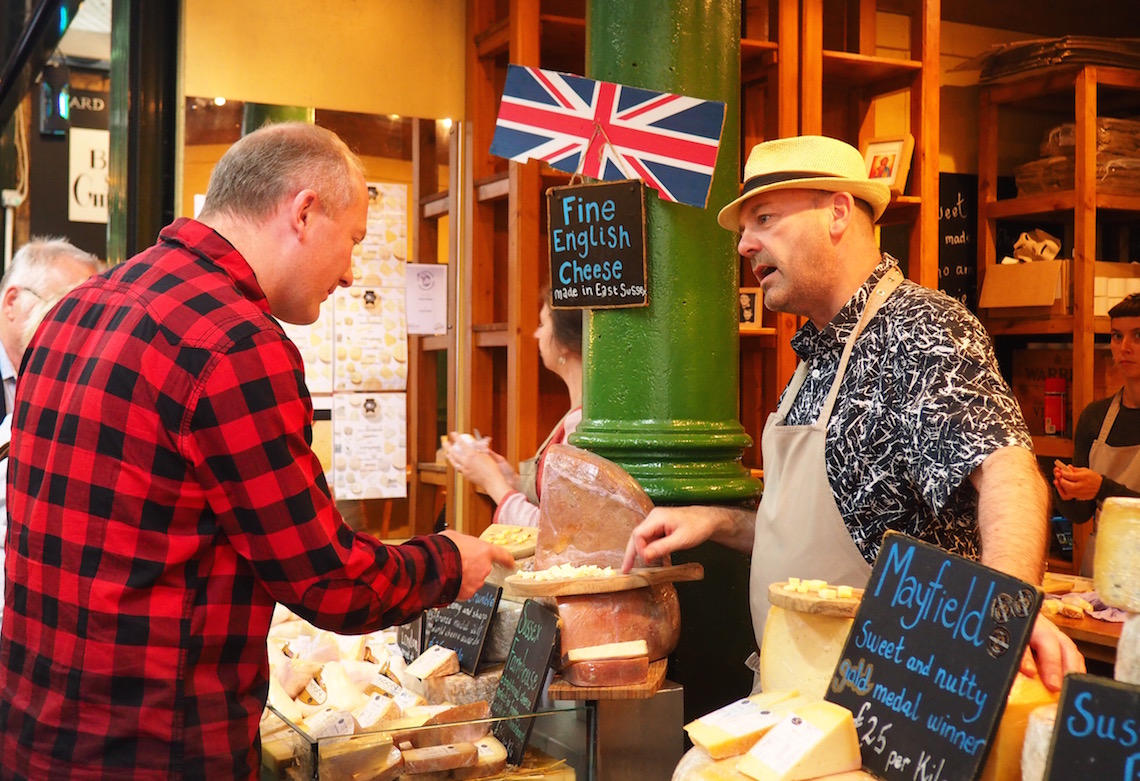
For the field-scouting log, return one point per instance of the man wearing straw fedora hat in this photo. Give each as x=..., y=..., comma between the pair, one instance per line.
x=897, y=418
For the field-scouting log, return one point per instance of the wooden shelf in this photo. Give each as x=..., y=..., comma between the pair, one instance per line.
x=493, y=188
x=875, y=75
x=432, y=473
x=433, y=342
x=435, y=206
x=1053, y=447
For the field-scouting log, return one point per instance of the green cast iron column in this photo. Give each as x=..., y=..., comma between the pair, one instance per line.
x=662, y=382
x=254, y=115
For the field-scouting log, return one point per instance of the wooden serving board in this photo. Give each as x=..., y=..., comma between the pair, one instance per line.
x=812, y=603
x=638, y=577
x=561, y=690
x=518, y=540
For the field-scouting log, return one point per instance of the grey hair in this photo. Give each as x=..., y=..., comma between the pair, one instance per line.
x=34, y=266
x=275, y=162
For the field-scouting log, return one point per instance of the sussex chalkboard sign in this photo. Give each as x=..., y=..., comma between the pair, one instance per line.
x=462, y=626
x=529, y=660
x=930, y=659
x=597, y=245
x=1097, y=733
x=410, y=638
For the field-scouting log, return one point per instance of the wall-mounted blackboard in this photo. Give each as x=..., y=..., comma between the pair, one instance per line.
x=957, y=237
x=1097, y=732
x=410, y=638
x=597, y=245
x=529, y=660
x=462, y=626
x=930, y=659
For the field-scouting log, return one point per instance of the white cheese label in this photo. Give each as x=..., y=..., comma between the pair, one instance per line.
x=406, y=699
x=378, y=706
x=742, y=717
x=386, y=684
x=314, y=692
x=787, y=743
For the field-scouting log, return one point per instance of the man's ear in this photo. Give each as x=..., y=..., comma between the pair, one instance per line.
x=8, y=302
x=841, y=213
x=302, y=208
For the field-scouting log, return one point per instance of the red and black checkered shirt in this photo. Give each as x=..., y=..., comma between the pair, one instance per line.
x=163, y=495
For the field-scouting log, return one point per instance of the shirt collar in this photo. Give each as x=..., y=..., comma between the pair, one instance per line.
x=213, y=248
x=809, y=340
x=7, y=370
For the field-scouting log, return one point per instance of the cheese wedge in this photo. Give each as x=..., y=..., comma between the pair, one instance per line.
x=1038, y=738
x=436, y=661
x=433, y=758
x=378, y=709
x=801, y=650
x=812, y=740
x=492, y=759
x=734, y=728
x=628, y=649
x=1004, y=761
x=1115, y=572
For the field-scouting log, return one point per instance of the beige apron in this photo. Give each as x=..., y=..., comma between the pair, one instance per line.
x=528, y=470
x=1122, y=464
x=799, y=531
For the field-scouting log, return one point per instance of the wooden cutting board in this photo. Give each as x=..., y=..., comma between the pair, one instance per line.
x=638, y=577
x=518, y=540
x=561, y=690
x=812, y=603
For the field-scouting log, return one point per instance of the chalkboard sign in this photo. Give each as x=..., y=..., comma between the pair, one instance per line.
x=462, y=626
x=410, y=638
x=930, y=659
x=597, y=245
x=529, y=660
x=957, y=237
x=1097, y=733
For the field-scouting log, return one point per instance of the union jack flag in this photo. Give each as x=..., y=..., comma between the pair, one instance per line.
x=609, y=131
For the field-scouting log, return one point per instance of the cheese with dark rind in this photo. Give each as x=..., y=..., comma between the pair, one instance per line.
x=434, y=758
x=589, y=507
x=650, y=614
x=607, y=672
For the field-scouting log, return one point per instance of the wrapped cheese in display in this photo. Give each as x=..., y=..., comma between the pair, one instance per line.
x=589, y=507
x=651, y=614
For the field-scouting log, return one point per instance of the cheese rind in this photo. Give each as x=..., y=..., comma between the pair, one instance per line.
x=1128, y=651
x=814, y=739
x=628, y=649
x=1115, y=572
x=433, y=758
x=1038, y=737
x=607, y=672
x=492, y=759
x=735, y=728
x=435, y=662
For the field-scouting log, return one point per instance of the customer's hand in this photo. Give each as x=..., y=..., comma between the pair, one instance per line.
x=1075, y=482
x=1051, y=654
x=478, y=559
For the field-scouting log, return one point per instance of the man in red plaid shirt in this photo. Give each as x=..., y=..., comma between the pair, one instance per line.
x=164, y=494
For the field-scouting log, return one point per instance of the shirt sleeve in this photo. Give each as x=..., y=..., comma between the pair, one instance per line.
x=249, y=439
x=516, y=511
x=963, y=410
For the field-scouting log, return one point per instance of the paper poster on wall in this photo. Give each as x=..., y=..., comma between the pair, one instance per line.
x=371, y=339
x=315, y=343
x=369, y=451
x=88, y=156
x=426, y=298
x=379, y=260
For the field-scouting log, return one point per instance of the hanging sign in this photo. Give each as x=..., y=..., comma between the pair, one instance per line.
x=1097, y=732
x=930, y=659
x=462, y=626
x=597, y=245
x=524, y=674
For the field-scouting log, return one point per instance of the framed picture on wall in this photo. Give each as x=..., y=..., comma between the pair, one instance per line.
x=748, y=308
x=888, y=160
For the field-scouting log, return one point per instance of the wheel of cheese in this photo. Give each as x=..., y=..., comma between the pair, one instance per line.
x=650, y=614
x=1115, y=572
x=607, y=672
x=1128, y=651
x=1038, y=735
x=800, y=650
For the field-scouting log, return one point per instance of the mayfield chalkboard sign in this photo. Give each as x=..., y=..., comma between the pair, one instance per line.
x=1097, y=732
x=462, y=626
x=930, y=659
x=524, y=674
x=597, y=245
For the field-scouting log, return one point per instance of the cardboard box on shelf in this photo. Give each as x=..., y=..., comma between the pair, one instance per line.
x=1033, y=365
x=1040, y=288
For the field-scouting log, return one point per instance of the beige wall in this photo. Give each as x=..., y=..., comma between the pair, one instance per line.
x=368, y=56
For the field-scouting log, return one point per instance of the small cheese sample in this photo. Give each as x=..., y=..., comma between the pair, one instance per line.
x=628, y=649
x=734, y=728
x=492, y=759
x=813, y=739
x=1128, y=651
x=607, y=672
x=436, y=661
x=800, y=650
x=1004, y=760
x=1038, y=738
x=1115, y=572
x=433, y=758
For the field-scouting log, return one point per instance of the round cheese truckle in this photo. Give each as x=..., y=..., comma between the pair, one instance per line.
x=589, y=507
x=1115, y=572
x=1128, y=651
x=650, y=614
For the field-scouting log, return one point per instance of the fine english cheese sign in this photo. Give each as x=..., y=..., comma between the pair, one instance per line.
x=597, y=245
x=930, y=659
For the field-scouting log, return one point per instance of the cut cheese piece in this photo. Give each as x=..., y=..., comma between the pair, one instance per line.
x=282, y=702
x=491, y=761
x=734, y=728
x=433, y=758
x=628, y=649
x=1004, y=760
x=1115, y=572
x=607, y=672
x=1038, y=738
x=378, y=709
x=435, y=662
x=459, y=724
x=1128, y=651
x=462, y=688
x=801, y=650
x=343, y=693
x=814, y=739
x=370, y=756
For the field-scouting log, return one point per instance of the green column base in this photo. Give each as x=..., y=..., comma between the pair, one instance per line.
x=675, y=463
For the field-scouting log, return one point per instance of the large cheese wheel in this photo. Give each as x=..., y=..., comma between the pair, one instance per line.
x=607, y=672
x=1128, y=651
x=1038, y=736
x=651, y=614
x=1115, y=569
x=589, y=507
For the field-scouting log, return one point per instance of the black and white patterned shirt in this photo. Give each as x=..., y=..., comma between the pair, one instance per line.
x=920, y=407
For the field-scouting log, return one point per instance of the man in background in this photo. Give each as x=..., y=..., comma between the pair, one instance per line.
x=164, y=494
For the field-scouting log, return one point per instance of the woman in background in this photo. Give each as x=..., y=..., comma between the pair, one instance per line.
x=559, y=336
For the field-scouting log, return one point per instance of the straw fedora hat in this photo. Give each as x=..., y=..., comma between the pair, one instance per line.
x=806, y=163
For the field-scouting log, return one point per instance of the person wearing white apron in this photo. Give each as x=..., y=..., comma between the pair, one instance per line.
x=1110, y=464
x=924, y=437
